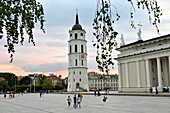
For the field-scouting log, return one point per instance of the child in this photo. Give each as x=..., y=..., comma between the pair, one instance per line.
x=69, y=101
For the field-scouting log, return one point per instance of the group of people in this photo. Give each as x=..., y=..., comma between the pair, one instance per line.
x=156, y=90
x=76, y=99
x=11, y=95
x=96, y=92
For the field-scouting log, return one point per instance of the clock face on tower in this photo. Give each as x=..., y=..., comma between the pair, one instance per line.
x=82, y=56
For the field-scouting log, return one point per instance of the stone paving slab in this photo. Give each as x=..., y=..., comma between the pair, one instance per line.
x=56, y=103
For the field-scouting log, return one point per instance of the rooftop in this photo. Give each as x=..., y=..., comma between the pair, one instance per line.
x=141, y=41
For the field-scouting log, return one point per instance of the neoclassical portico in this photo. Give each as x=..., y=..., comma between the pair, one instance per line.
x=144, y=64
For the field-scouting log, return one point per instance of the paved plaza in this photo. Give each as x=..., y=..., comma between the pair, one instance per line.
x=56, y=103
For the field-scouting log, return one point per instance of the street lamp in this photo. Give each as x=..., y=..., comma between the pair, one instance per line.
x=34, y=84
x=15, y=85
x=30, y=85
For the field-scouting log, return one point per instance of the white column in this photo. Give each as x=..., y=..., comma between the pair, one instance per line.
x=148, y=73
x=127, y=75
x=119, y=72
x=165, y=69
x=159, y=73
x=138, y=74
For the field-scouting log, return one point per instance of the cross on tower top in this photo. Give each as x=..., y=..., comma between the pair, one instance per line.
x=139, y=25
x=76, y=11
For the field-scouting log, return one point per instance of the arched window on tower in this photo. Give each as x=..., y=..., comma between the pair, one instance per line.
x=75, y=62
x=70, y=62
x=75, y=48
x=70, y=48
x=75, y=35
x=85, y=49
x=82, y=50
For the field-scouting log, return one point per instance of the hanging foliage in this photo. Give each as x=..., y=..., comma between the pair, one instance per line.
x=105, y=34
x=17, y=16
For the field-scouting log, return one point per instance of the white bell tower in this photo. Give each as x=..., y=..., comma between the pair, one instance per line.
x=77, y=58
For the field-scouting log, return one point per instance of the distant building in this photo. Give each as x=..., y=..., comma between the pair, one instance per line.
x=54, y=79
x=102, y=81
x=20, y=77
x=34, y=78
x=66, y=81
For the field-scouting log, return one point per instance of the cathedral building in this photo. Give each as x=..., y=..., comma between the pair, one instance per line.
x=77, y=58
x=143, y=65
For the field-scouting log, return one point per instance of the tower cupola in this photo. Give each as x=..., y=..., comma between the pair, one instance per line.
x=77, y=26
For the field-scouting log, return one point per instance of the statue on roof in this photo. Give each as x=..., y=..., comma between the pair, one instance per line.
x=122, y=40
x=139, y=33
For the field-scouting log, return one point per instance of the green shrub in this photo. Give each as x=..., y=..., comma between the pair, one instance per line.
x=58, y=87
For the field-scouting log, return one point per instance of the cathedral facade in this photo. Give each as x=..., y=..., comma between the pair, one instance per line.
x=143, y=65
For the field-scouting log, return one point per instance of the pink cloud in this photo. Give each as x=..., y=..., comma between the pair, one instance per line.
x=13, y=69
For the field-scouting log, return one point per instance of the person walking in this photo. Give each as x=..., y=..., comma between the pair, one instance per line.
x=40, y=94
x=13, y=95
x=4, y=95
x=157, y=91
x=98, y=94
x=79, y=99
x=95, y=91
x=108, y=90
x=69, y=101
x=75, y=101
x=10, y=95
